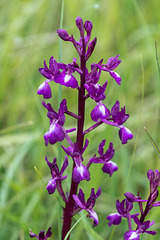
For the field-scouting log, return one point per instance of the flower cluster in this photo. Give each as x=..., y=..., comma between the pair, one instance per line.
x=124, y=208
x=88, y=86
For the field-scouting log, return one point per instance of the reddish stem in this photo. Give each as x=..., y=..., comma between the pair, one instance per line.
x=68, y=210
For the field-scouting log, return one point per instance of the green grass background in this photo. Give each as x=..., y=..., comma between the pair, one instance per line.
x=27, y=37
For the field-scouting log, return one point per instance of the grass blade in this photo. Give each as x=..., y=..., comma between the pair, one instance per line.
x=153, y=143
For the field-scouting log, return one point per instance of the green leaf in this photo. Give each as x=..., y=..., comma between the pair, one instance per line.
x=153, y=143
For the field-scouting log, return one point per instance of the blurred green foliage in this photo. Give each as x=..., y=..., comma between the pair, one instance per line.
x=27, y=37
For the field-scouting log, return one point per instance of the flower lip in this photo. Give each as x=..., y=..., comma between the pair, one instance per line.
x=80, y=172
x=114, y=218
x=100, y=112
x=125, y=134
x=45, y=90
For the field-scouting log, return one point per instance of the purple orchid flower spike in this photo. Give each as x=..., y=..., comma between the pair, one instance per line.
x=89, y=204
x=105, y=158
x=42, y=235
x=88, y=87
x=112, y=63
x=56, y=131
x=55, y=181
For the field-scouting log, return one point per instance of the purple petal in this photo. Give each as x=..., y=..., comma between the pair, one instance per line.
x=115, y=109
x=46, y=74
x=45, y=90
x=55, y=134
x=50, y=164
x=53, y=67
x=65, y=165
x=101, y=147
x=119, y=117
x=114, y=218
x=91, y=47
x=110, y=167
x=91, y=199
x=96, y=160
x=151, y=232
x=113, y=62
x=66, y=80
x=80, y=173
x=32, y=235
x=51, y=186
x=132, y=198
x=85, y=146
x=93, y=215
x=69, y=150
x=41, y=236
x=100, y=112
x=108, y=155
x=125, y=134
x=131, y=235
x=116, y=77
x=49, y=232
x=77, y=200
x=62, y=108
x=81, y=196
x=96, y=91
x=98, y=193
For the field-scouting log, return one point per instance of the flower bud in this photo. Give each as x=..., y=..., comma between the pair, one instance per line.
x=91, y=47
x=79, y=24
x=88, y=26
x=63, y=35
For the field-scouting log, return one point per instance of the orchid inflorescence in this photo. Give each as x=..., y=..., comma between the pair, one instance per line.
x=88, y=87
x=125, y=206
